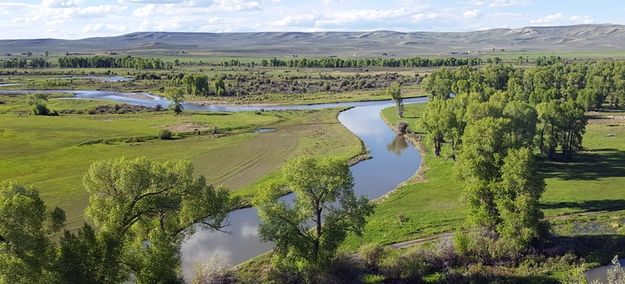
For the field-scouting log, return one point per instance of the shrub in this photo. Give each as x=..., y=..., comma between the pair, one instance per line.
x=134, y=140
x=372, y=254
x=402, y=126
x=410, y=266
x=213, y=272
x=446, y=253
x=164, y=134
x=41, y=109
x=462, y=243
x=343, y=268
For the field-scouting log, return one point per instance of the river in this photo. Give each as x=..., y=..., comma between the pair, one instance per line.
x=393, y=162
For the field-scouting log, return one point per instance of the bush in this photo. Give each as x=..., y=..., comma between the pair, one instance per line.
x=372, y=254
x=344, y=268
x=164, y=134
x=41, y=109
x=134, y=140
x=410, y=266
x=446, y=253
x=213, y=272
x=402, y=126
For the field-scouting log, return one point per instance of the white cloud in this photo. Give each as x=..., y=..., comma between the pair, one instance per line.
x=472, y=14
x=237, y=5
x=60, y=3
x=89, y=28
x=360, y=16
x=294, y=20
x=500, y=3
x=561, y=19
x=421, y=17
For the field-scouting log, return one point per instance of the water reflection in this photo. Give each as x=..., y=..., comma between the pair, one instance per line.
x=600, y=274
x=398, y=144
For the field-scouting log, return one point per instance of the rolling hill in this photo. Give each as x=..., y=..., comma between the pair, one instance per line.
x=376, y=43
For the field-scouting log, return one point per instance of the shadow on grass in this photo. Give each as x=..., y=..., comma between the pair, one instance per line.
x=593, y=248
x=207, y=113
x=588, y=165
x=591, y=205
x=497, y=279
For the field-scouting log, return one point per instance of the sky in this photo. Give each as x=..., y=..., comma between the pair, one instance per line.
x=72, y=19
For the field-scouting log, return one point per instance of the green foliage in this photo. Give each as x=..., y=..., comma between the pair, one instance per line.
x=90, y=257
x=26, y=252
x=371, y=62
x=439, y=84
x=517, y=198
x=176, y=101
x=324, y=199
x=479, y=162
x=409, y=266
x=196, y=84
x=164, y=134
x=394, y=91
x=139, y=202
x=111, y=62
x=220, y=87
x=372, y=254
x=561, y=124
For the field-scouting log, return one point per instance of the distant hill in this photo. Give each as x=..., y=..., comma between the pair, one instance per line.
x=376, y=43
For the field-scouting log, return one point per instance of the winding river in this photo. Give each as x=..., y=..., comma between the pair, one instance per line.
x=393, y=162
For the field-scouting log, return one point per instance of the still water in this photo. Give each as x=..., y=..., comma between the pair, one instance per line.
x=393, y=162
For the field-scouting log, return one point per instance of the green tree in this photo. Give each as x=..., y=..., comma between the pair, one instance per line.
x=26, y=225
x=220, y=87
x=484, y=147
x=571, y=128
x=148, y=208
x=432, y=122
x=324, y=200
x=176, y=101
x=439, y=84
x=394, y=91
x=523, y=120
x=90, y=257
x=517, y=198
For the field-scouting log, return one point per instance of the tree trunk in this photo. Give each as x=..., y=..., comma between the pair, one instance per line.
x=318, y=237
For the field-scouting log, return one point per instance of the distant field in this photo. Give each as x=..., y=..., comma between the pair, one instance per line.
x=45, y=152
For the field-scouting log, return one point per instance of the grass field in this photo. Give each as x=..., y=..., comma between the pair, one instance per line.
x=593, y=181
x=44, y=151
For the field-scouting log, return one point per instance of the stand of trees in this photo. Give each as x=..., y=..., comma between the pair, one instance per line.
x=24, y=63
x=494, y=121
x=366, y=62
x=111, y=62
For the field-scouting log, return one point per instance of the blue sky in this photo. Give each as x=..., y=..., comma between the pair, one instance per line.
x=88, y=18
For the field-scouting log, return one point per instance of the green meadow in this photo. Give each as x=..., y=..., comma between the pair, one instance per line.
x=46, y=151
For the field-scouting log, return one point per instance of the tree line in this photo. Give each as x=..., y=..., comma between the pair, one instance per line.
x=24, y=63
x=112, y=62
x=367, y=62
